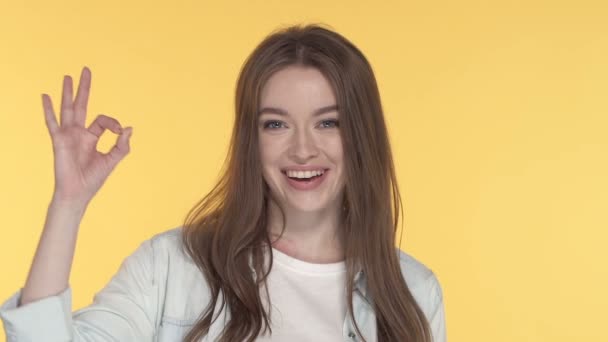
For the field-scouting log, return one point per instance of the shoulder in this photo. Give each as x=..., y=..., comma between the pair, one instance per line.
x=421, y=281
x=414, y=271
x=168, y=236
x=167, y=241
x=162, y=257
x=168, y=245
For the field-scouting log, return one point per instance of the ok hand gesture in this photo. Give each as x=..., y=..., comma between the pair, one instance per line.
x=81, y=170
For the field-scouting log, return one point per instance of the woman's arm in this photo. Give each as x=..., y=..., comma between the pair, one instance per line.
x=50, y=269
x=80, y=171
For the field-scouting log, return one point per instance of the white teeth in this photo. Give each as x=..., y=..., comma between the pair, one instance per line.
x=304, y=174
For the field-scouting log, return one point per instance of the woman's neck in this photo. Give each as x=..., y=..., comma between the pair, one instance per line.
x=317, y=238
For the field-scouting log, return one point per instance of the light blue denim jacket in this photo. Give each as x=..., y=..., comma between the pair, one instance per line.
x=158, y=292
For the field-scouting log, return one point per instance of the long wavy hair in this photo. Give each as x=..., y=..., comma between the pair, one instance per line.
x=229, y=225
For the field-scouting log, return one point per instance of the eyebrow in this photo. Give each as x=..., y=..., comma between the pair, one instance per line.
x=279, y=111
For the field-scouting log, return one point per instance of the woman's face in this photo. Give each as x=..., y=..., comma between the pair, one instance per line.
x=299, y=130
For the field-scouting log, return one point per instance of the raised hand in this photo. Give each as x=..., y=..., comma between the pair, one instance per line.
x=81, y=170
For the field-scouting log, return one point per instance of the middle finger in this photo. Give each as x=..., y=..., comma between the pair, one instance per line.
x=82, y=97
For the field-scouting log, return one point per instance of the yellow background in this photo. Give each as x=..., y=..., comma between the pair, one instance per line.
x=497, y=113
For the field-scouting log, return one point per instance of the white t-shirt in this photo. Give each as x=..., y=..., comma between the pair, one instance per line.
x=305, y=292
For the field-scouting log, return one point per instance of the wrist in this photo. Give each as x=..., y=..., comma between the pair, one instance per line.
x=71, y=205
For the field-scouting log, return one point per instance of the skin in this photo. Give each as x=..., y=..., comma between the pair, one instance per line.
x=80, y=171
x=312, y=229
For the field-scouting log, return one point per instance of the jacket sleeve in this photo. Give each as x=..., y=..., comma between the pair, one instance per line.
x=124, y=310
x=437, y=315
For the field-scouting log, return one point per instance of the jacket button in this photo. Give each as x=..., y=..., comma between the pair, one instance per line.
x=351, y=334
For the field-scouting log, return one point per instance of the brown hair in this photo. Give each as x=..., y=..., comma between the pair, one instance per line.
x=229, y=225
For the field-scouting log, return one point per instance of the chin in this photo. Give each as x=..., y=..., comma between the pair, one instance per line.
x=308, y=209
x=309, y=205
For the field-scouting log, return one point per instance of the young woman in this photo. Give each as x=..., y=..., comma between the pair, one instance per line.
x=295, y=243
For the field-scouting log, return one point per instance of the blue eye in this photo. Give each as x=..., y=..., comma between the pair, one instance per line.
x=270, y=122
x=334, y=122
x=274, y=124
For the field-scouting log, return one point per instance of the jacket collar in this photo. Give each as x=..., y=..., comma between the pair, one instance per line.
x=360, y=284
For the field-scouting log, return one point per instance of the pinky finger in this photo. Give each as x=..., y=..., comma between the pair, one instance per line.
x=49, y=114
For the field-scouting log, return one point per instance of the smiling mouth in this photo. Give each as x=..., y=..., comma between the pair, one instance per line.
x=304, y=180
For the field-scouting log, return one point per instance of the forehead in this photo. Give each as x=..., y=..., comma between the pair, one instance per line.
x=297, y=86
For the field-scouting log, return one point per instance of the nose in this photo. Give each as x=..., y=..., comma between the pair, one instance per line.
x=303, y=146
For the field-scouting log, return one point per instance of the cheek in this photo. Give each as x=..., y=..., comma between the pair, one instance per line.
x=265, y=151
x=270, y=146
x=269, y=160
x=333, y=148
